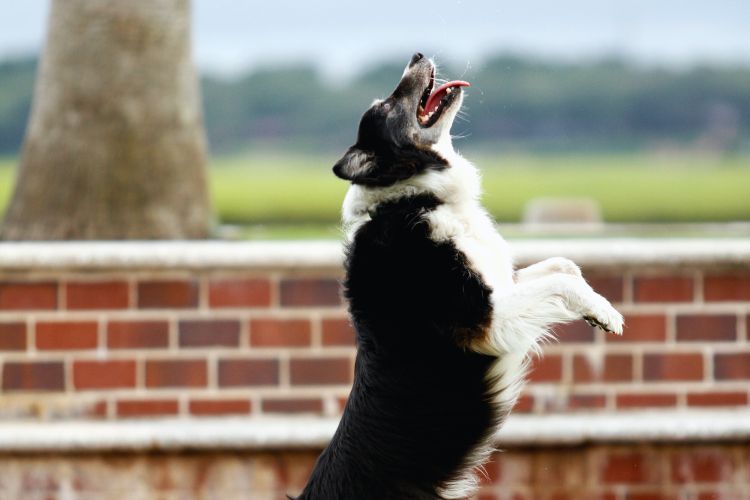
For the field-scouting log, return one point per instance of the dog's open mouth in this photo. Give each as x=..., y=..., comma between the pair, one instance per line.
x=433, y=103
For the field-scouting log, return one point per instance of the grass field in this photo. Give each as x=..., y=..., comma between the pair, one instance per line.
x=299, y=190
x=6, y=181
x=629, y=188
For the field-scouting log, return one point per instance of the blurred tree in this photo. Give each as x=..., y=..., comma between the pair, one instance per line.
x=115, y=146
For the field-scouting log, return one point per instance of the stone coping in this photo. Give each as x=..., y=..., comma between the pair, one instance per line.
x=269, y=433
x=198, y=255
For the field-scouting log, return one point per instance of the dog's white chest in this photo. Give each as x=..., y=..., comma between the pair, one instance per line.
x=472, y=231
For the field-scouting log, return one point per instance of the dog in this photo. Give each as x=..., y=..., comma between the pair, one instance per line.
x=444, y=323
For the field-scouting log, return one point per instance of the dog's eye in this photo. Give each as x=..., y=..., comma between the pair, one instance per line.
x=385, y=106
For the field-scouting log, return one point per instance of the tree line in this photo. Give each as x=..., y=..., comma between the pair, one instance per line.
x=514, y=101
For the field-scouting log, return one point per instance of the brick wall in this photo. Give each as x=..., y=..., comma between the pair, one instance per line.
x=143, y=343
x=144, y=338
x=120, y=345
x=684, y=345
x=598, y=472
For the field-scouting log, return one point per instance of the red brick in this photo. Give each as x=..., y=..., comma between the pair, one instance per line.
x=652, y=495
x=137, y=334
x=614, y=368
x=610, y=287
x=212, y=407
x=643, y=400
x=586, y=401
x=97, y=295
x=564, y=495
x=578, y=331
x=97, y=410
x=702, y=466
x=292, y=405
x=488, y=495
x=673, y=366
x=720, y=493
x=239, y=293
x=248, y=372
x=28, y=295
x=310, y=292
x=176, y=373
x=524, y=404
x=146, y=407
x=642, y=328
x=320, y=371
x=338, y=332
x=521, y=496
x=713, y=327
x=494, y=469
x=663, y=289
x=517, y=470
x=546, y=369
x=103, y=374
x=12, y=336
x=206, y=333
x=33, y=376
x=269, y=332
x=66, y=335
x=727, y=288
x=167, y=294
x=558, y=476
x=627, y=468
x=717, y=399
x=732, y=366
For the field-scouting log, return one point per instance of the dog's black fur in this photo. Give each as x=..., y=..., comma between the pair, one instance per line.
x=419, y=402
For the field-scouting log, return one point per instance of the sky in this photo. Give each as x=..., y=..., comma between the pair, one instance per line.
x=343, y=37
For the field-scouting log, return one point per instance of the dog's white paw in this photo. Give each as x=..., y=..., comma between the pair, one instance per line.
x=603, y=315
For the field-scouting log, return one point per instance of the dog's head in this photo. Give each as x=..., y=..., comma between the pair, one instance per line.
x=397, y=134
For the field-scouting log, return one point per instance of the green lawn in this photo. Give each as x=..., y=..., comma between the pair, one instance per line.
x=6, y=181
x=300, y=190
x=629, y=188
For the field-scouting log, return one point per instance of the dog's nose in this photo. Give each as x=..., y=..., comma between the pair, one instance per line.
x=416, y=58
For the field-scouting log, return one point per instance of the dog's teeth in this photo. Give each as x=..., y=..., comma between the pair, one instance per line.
x=448, y=90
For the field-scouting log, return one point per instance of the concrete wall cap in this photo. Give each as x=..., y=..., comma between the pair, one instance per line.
x=679, y=426
x=329, y=254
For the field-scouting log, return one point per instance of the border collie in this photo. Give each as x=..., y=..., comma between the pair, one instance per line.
x=444, y=323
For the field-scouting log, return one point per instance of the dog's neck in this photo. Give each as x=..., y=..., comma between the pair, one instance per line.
x=457, y=185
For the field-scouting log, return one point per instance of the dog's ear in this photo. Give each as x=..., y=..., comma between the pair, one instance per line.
x=354, y=165
x=388, y=166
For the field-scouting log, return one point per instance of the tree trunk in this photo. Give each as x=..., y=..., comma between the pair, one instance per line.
x=115, y=146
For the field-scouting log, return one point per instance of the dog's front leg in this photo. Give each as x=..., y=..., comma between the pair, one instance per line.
x=546, y=267
x=524, y=312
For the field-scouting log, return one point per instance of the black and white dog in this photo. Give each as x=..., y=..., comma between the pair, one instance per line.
x=444, y=323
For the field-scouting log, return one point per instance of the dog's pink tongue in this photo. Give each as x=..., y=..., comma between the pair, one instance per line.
x=434, y=99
